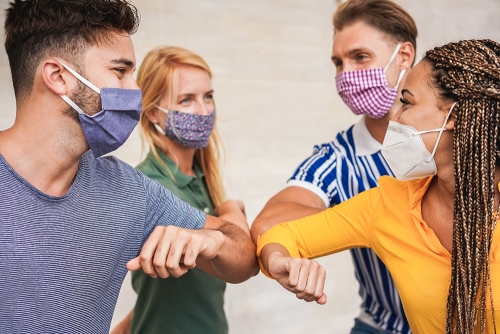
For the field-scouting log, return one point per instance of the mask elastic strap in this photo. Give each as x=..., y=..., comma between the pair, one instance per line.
x=442, y=129
x=426, y=131
x=166, y=111
x=82, y=79
x=401, y=75
x=171, y=113
x=159, y=129
x=394, y=54
x=72, y=104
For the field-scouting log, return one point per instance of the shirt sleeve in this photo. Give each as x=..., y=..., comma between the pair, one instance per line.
x=347, y=225
x=164, y=208
x=317, y=173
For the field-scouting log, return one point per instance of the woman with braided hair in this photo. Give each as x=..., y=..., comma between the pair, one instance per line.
x=433, y=226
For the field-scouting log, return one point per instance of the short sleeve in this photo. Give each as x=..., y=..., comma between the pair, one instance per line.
x=163, y=208
x=318, y=173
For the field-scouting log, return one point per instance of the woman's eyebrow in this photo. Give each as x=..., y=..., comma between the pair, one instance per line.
x=406, y=91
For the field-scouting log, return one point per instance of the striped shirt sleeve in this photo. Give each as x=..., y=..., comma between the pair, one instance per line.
x=164, y=208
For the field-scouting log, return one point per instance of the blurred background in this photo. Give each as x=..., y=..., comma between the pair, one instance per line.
x=275, y=94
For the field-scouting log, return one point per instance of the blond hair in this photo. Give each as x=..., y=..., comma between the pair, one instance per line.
x=157, y=75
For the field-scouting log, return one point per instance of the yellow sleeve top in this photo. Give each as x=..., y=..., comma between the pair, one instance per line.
x=388, y=219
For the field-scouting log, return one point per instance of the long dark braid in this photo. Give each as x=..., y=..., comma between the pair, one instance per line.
x=469, y=72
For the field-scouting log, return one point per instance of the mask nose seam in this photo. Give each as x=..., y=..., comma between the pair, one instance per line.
x=408, y=172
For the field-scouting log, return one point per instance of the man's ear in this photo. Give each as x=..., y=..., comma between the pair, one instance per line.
x=407, y=53
x=53, y=76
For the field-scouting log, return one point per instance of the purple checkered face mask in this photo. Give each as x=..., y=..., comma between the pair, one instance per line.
x=366, y=92
x=190, y=130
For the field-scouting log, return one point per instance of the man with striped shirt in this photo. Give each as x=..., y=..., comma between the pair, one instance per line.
x=374, y=46
x=72, y=221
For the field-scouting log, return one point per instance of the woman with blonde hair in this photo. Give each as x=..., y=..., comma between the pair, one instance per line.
x=178, y=125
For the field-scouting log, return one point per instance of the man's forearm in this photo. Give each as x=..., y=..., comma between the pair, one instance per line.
x=236, y=261
x=279, y=212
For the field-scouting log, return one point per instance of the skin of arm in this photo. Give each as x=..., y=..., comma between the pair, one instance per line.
x=232, y=223
x=289, y=204
x=123, y=327
x=304, y=277
x=227, y=249
x=237, y=261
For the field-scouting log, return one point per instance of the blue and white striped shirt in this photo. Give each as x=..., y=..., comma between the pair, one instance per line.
x=337, y=171
x=63, y=258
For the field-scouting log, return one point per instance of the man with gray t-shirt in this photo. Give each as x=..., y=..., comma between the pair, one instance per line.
x=71, y=221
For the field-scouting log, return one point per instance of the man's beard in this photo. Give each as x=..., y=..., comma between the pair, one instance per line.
x=88, y=100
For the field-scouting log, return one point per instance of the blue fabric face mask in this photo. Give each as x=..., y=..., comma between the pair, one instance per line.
x=108, y=129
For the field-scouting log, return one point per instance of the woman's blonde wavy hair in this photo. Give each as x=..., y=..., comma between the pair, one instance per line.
x=157, y=75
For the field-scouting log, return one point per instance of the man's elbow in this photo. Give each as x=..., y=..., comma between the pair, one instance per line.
x=259, y=226
x=244, y=274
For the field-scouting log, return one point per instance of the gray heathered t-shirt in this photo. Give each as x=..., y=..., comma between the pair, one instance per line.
x=62, y=259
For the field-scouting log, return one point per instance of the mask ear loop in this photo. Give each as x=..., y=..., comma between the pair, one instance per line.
x=394, y=54
x=73, y=104
x=170, y=115
x=86, y=82
x=402, y=73
x=158, y=128
x=442, y=130
x=82, y=79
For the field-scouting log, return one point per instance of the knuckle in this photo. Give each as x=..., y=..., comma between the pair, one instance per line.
x=173, y=266
x=176, y=274
x=158, y=263
x=310, y=291
x=322, y=271
x=291, y=283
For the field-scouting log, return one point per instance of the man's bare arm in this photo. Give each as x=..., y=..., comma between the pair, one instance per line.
x=222, y=248
x=236, y=261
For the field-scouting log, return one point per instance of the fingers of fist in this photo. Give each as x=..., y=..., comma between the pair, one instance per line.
x=306, y=279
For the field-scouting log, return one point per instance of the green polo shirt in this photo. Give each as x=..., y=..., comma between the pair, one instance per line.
x=194, y=302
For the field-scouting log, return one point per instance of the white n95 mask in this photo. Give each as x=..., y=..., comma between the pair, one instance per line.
x=405, y=151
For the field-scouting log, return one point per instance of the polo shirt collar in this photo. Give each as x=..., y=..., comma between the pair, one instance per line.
x=181, y=179
x=364, y=142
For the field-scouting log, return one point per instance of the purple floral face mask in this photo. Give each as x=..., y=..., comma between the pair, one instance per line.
x=190, y=130
x=367, y=91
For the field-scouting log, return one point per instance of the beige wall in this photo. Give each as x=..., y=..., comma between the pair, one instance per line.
x=276, y=98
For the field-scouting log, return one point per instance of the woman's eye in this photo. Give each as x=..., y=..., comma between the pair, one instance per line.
x=403, y=101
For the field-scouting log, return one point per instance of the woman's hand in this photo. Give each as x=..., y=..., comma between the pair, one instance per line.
x=304, y=277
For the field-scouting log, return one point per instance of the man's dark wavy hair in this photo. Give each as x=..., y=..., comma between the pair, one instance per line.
x=36, y=29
